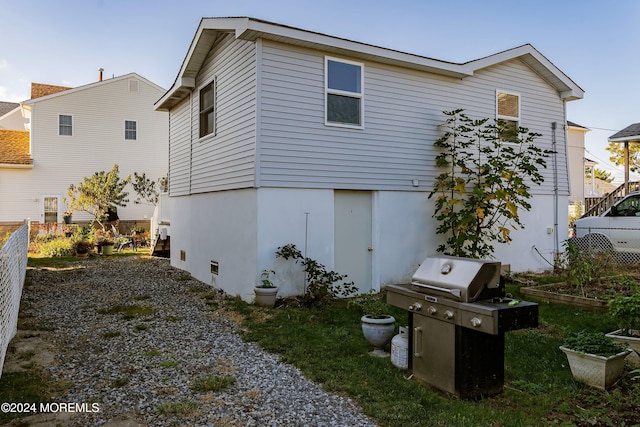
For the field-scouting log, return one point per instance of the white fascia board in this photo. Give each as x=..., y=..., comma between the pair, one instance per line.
x=567, y=88
x=633, y=138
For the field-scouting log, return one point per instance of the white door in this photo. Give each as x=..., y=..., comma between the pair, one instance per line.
x=352, y=237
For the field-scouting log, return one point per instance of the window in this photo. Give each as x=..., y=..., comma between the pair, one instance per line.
x=65, y=125
x=508, y=110
x=130, y=129
x=343, y=92
x=207, y=109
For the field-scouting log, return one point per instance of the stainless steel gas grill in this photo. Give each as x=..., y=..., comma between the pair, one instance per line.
x=458, y=314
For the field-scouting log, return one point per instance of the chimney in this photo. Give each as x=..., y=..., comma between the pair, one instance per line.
x=100, y=70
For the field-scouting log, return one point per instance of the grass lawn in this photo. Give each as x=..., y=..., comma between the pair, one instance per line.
x=328, y=346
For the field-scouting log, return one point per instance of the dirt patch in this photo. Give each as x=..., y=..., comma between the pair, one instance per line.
x=28, y=348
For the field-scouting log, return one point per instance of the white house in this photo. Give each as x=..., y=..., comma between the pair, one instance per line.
x=280, y=135
x=75, y=132
x=11, y=117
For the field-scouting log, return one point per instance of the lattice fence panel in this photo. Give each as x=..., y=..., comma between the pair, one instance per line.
x=598, y=241
x=13, y=269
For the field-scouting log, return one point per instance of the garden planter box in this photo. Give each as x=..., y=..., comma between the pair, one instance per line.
x=632, y=343
x=597, y=371
x=545, y=293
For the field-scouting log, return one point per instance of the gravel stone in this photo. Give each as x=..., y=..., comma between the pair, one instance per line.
x=143, y=367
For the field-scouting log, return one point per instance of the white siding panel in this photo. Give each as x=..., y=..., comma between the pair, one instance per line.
x=402, y=112
x=179, y=150
x=226, y=160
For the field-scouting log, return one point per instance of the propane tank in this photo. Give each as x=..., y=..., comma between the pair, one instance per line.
x=400, y=349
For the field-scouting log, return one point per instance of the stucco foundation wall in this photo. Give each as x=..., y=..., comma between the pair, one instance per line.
x=294, y=216
x=539, y=235
x=219, y=226
x=403, y=235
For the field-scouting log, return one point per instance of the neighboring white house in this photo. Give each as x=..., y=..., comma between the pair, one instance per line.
x=76, y=132
x=11, y=117
x=280, y=135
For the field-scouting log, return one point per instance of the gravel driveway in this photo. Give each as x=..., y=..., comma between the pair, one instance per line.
x=141, y=370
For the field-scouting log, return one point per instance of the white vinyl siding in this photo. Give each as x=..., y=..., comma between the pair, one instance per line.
x=402, y=115
x=179, y=150
x=226, y=159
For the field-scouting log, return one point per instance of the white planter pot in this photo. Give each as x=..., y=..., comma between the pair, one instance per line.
x=597, y=371
x=378, y=332
x=632, y=343
x=266, y=297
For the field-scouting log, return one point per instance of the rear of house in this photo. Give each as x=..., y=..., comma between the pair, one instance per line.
x=280, y=135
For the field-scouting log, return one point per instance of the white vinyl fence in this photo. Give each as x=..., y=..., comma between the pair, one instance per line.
x=13, y=269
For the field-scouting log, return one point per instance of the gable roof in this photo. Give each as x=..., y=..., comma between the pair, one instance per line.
x=251, y=29
x=630, y=133
x=6, y=107
x=89, y=86
x=40, y=89
x=14, y=147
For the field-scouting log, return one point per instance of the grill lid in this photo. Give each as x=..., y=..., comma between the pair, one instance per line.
x=463, y=279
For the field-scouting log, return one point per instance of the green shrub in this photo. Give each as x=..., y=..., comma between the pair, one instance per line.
x=56, y=248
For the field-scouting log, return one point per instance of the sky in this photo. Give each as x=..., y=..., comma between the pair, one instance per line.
x=594, y=42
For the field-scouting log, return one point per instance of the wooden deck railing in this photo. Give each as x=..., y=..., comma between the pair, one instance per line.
x=595, y=206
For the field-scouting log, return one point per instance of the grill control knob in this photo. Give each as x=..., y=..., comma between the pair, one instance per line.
x=432, y=310
x=475, y=322
x=448, y=314
x=416, y=306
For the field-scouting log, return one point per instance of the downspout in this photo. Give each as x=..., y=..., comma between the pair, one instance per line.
x=556, y=243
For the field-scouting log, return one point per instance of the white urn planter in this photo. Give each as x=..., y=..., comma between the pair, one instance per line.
x=597, y=371
x=631, y=342
x=378, y=332
x=265, y=297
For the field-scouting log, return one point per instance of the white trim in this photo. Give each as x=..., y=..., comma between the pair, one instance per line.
x=137, y=131
x=59, y=206
x=504, y=117
x=72, y=124
x=349, y=94
x=214, y=84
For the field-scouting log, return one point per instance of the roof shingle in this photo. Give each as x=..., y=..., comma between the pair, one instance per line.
x=14, y=147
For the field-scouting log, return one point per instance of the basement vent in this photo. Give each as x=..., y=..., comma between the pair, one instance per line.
x=214, y=267
x=183, y=255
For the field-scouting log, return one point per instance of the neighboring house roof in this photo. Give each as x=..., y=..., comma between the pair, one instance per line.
x=630, y=133
x=14, y=147
x=39, y=89
x=6, y=107
x=67, y=91
x=598, y=187
x=251, y=29
x=575, y=125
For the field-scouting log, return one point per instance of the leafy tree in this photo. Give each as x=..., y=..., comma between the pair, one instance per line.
x=600, y=174
x=148, y=191
x=485, y=184
x=98, y=193
x=617, y=155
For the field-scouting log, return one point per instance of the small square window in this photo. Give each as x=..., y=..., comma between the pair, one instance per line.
x=130, y=130
x=207, y=109
x=65, y=125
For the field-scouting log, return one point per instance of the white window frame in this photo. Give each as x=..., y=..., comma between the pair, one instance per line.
x=499, y=116
x=135, y=130
x=214, y=85
x=328, y=91
x=60, y=126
